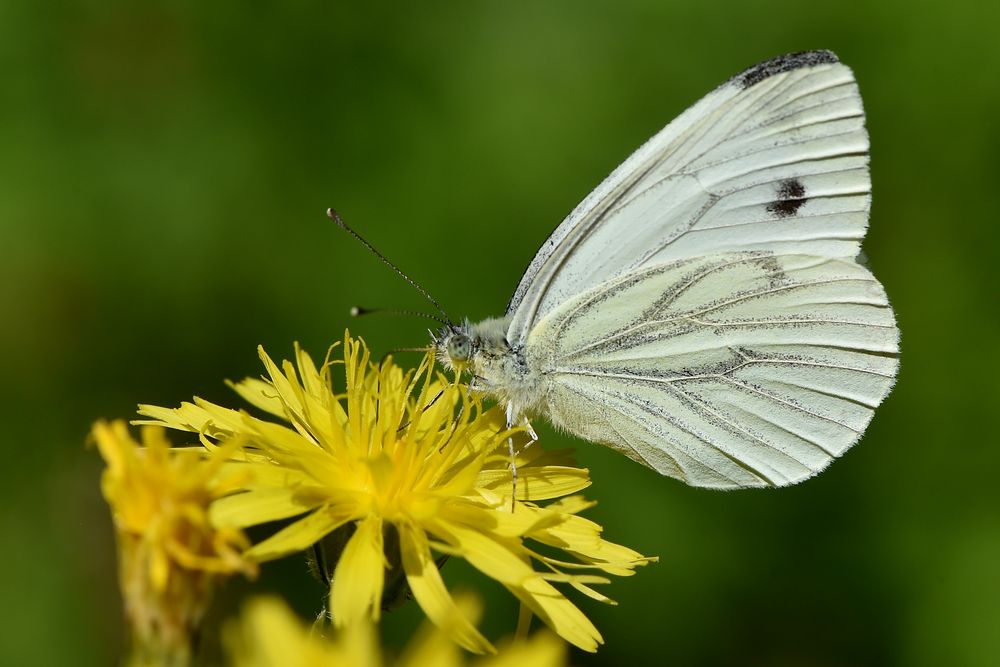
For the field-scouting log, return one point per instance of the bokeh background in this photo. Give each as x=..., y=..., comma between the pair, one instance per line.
x=164, y=168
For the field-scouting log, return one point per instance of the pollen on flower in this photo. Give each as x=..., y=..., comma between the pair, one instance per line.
x=171, y=556
x=401, y=469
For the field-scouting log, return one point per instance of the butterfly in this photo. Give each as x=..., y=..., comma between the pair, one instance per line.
x=704, y=310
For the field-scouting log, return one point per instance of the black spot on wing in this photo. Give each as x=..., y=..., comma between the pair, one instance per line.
x=791, y=196
x=785, y=63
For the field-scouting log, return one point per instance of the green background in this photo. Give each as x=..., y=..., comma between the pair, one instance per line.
x=164, y=168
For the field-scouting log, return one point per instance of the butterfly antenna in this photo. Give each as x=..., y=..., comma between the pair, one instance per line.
x=333, y=215
x=358, y=311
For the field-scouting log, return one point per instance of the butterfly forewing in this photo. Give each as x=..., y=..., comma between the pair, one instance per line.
x=774, y=159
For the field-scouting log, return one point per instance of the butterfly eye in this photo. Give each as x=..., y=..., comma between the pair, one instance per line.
x=459, y=348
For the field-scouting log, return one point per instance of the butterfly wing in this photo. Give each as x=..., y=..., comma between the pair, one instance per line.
x=774, y=159
x=730, y=370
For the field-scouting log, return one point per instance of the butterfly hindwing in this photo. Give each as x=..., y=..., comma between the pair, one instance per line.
x=732, y=370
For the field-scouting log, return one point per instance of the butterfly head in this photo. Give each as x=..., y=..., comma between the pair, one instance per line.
x=456, y=346
x=459, y=348
x=472, y=347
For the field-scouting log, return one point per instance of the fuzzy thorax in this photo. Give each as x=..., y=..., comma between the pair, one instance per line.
x=499, y=370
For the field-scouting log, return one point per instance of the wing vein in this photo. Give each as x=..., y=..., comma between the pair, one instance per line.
x=790, y=404
x=738, y=430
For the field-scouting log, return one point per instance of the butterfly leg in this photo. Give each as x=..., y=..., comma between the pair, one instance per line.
x=513, y=456
x=531, y=433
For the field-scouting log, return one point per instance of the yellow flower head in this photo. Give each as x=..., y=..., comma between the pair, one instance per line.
x=268, y=634
x=171, y=556
x=413, y=465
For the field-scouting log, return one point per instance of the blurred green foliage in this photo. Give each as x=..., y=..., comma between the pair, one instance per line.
x=164, y=168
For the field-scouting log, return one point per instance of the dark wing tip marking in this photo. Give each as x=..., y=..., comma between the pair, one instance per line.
x=784, y=63
x=791, y=196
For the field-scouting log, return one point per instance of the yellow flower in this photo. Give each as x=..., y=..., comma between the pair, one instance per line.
x=268, y=634
x=406, y=465
x=171, y=556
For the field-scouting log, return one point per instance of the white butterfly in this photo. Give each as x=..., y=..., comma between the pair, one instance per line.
x=702, y=311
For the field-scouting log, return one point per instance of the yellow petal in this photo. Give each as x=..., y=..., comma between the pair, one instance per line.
x=497, y=561
x=494, y=558
x=357, y=646
x=255, y=507
x=571, y=505
x=259, y=394
x=319, y=404
x=537, y=483
x=558, y=613
x=543, y=650
x=287, y=386
x=592, y=594
x=434, y=646
x=270, y=635
x=113, y=447
x=428, y=588
x=159, y=569
x=303, y=533
x=266, y=475
x=360, y=575
x=202, y=415
x=582, y=537
x=504, y=524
